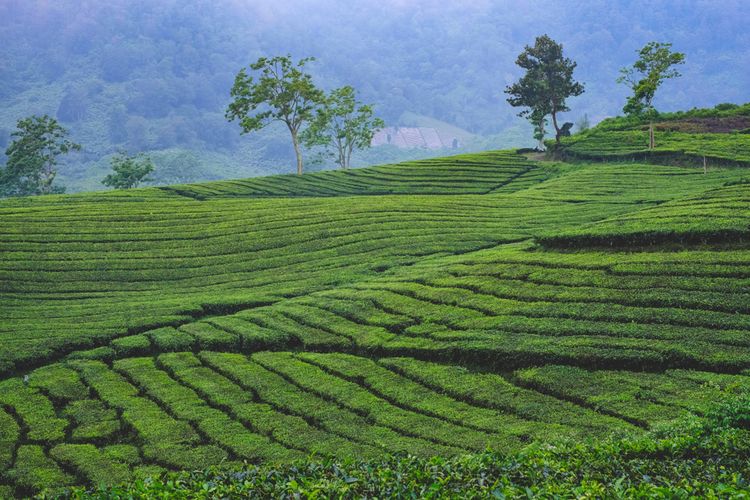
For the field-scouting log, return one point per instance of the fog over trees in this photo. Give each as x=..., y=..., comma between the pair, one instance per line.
x=154, y=76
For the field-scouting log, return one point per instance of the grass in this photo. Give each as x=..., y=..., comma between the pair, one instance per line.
x=440, y=307
x=79, y=271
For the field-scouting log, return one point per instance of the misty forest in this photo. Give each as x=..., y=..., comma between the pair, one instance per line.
x=155, y=76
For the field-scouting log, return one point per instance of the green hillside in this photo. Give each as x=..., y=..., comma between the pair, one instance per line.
x=439, y=307
x=720, y=135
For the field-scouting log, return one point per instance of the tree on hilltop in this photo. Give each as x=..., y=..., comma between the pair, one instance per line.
x=282, y=92
x=341, y=125
x=33, y=155
x=655, y=64
x=548, y=82
x=128, y=171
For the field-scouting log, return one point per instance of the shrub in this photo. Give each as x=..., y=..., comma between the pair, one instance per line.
x=691, y=458
x=59, y=382
x=171, y=339
x=131, y=345
x=93, y=420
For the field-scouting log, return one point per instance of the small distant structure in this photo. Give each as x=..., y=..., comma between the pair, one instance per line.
x=415, y=137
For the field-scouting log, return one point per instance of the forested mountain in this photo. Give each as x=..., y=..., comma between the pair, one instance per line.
x=155, y=75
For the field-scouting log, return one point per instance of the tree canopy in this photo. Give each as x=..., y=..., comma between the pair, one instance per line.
x=547, y=83
x=655, y=64
x=128, y=171
x=33, y=155
x=279, y=91
x=341, y=125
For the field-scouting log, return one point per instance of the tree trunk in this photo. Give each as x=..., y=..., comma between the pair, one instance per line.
x=48, y=177
x=540, y=129
x=651, y=139
x=297, y=151
x=557, y=129
x=349, y=156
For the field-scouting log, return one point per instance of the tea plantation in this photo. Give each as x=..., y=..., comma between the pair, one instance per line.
x=720, y=136
x=356, y=324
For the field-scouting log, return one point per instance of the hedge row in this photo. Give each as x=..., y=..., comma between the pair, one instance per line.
x=694, y=458
x=289, y=398
x=474, y=173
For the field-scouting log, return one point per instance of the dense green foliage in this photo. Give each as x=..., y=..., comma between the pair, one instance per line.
x=104, y=254
x=696, y=458
x=495, y=172
x=402, y=309
x=716, y=216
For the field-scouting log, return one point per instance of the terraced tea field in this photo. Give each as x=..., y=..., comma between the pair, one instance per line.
x=433, y=308
x=720, y=136
x=496, y=172
x=614, y=145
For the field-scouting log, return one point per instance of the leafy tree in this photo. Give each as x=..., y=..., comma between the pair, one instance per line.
x=654, y=65
x=342, y=125
x=128, y=171
x=32, y=156
x=282, y=92
x=548, y=82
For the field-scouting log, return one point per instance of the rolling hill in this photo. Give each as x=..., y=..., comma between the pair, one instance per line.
x=437, y=307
